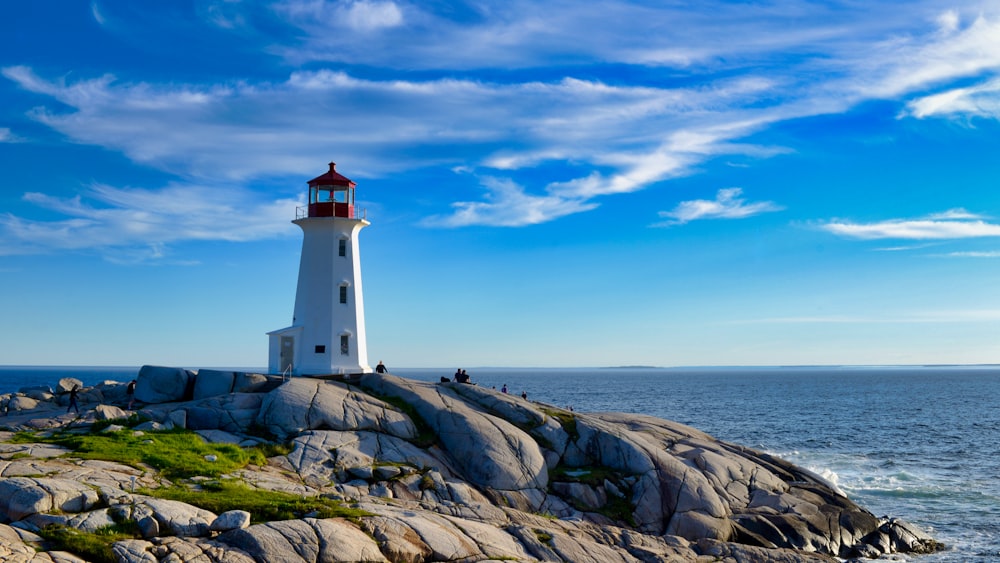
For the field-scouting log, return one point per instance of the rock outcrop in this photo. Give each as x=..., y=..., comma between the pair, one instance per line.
x=438, y=472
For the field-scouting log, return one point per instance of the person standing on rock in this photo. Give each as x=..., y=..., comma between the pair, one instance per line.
x=380, y=368
x=72, y=399
x=130, y=391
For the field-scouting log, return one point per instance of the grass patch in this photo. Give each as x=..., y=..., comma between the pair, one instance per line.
x=592, y=475
x=616, y=508
x=426, y=482
x=263, y=506
x=542, y=535
x=425, y=434
x=92, y=546
x=566, y=419
x=175, y=453
x=271, y=449
x=131, y=421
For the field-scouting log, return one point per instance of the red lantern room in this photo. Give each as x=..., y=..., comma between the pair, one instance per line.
x=331, y=195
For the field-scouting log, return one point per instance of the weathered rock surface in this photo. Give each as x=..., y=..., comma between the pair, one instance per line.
x=490, y=451
x=311, y=404
x=308, y=540
x=443, y=472
x=157, y=384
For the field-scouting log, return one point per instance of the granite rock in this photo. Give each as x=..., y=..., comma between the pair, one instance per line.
x=442, y=472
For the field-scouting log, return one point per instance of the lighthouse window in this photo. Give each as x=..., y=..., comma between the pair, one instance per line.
x=344, y=347
x=320, y=349
x=343, y=247
x=343, y=294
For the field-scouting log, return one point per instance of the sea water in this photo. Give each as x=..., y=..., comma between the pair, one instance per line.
x=917, y=443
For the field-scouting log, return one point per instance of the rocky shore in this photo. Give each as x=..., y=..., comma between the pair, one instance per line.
x=430, y=472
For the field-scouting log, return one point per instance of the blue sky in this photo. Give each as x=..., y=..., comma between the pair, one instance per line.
x=557, y=183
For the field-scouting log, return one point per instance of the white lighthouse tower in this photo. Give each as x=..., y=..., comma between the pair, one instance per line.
x=327, y=335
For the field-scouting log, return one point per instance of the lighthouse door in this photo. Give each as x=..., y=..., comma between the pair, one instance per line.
x=287, y=358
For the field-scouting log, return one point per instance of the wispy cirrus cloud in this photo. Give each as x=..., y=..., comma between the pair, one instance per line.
x=973, y=254
x=727, y=205
x=507, y=205
x=982, y=100
x=952, y=224
x=465, y=108
x=141, y=223
x=357, y=15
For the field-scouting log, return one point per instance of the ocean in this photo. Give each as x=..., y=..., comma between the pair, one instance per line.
x=917, y=443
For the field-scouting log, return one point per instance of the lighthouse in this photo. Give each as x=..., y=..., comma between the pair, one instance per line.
x=327, y=335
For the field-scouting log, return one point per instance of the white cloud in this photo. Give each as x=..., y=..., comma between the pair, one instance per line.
x=507, y=205
x=948, y=21
x=369, y=16
x=96, y=12
x=910, y=63
x=982, y=100
x=727, y=205
x=956, y=213
x=954, y=224
x=141, y=222
x=8, y=136
x=744, y=67
x=974, y=254
x=638, y=135
x=357, y=15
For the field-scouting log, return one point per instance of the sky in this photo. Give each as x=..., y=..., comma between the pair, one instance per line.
x=553, y=183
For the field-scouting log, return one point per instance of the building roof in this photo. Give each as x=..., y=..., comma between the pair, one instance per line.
x=332, y=178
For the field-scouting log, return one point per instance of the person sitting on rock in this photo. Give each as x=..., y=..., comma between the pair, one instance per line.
x=380, y=368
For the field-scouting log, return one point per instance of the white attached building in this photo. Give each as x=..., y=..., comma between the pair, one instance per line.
x=327, y=335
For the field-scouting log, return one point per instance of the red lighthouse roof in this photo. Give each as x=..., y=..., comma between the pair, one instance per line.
x=332, y=178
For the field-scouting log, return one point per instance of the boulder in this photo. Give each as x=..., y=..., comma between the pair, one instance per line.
x=253, y=382
x=38, y=393
x=210, y=382
x=22, y=403
x=171, y=517
x=230, y=520
x=306, y=540
x=86, y=521
x=67, y=384
x=109, y=412
x=156, y=384
x=113, y=391
x=178, y=550
x=23, y=496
